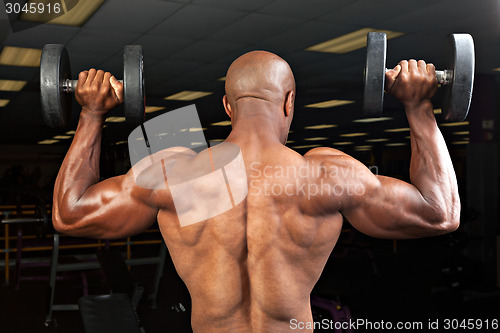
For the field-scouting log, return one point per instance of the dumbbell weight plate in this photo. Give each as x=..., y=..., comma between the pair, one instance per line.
x=133, y=84
x=458, y=93
x=374, y=78
x=54, y=69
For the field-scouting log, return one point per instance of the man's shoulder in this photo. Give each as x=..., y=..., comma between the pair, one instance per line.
x=324, y=151
x=331, y=157
x=149, y=173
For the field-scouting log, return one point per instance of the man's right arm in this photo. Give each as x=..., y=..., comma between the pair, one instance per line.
x=385, y=207
x=83, y=206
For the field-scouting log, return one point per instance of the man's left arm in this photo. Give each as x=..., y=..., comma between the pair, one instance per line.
x=83, y=206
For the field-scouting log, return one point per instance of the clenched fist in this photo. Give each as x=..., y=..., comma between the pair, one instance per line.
x=412, y=82
x=98, y=92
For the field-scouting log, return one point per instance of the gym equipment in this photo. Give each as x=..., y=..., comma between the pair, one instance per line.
x=87, y=263
x=56, y=85
x=109, y=313
x=41, y=218
x=456, y=80
x=331, y=310
x=118, y=277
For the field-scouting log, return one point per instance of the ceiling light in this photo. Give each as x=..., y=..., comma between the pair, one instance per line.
x=197, y=143
x=4, y=102
x=188, y=95
x=47, y=142
x=352, y=135
x=115, y=119
x=222, y=78
x=437, y=111
x=12, y=85
x=372, y=120
x=396, y=130
x=343, y=143
x=62, y=137
x=329, y=104
x=396, y=144
x=461, y=133
x=350, y=42
x=197, y=129
x=319, y=138
x=306, y=146
x=377, y=140
x=20, y=56
x=320, y=126
x=151, y=109
x=362, y=148
x=460, y=142
x=71, y=132
x=496, y=69
x=120, y=143
x=222, y=123
x=73, y=16
x=290, y=141
x=462, y=123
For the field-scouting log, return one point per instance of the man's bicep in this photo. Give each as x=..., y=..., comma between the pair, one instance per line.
x=388, y=208
x=113, y=208
x=378, y=206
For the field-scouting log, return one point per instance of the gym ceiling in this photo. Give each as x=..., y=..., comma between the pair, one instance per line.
x=189, y=44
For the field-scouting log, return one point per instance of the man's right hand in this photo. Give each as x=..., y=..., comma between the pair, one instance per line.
x=412, y=82
x=98, y=92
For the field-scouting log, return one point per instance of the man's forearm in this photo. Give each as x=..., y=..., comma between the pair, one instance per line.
x=80, y=168
x=431, y=169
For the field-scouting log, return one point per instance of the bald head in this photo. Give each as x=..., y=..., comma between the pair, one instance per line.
x=259, y=74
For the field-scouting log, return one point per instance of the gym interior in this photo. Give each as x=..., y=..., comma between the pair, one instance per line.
x=187, y=48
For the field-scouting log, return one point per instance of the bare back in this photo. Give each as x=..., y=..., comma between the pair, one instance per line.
x=252, y=268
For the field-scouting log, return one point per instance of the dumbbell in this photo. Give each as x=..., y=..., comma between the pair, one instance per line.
x=456, y=80
x=57, y=87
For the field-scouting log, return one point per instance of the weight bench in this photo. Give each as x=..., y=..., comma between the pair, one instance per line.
x=118, y=277
x=114, y=312
x=108, y=314
x=135, y=295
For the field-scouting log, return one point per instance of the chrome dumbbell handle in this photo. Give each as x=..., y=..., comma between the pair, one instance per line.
x=444, y=77
x=69, y=86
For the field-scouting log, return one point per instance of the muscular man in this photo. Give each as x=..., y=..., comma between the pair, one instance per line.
x=252, y=268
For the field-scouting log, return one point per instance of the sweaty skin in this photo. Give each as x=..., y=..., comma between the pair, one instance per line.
x=252, y=268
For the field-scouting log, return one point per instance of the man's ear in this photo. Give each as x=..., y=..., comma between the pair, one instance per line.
x=289, y=101
x=227, y=106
